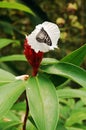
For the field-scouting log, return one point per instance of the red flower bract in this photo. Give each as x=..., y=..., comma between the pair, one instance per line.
x=33, y=58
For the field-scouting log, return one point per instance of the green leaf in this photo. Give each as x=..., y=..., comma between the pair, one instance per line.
x=71, y=93
x=8, y=125
x=43, y=102
x=83, y=100
x=68, y=70
x=6, y=67
x=11, y=119
x=30, y=126
x=47, y=61
x=13, y=58
x=61, y=126
x=4, y=42
x=76, y=57
x=14, y=5
x=7, y=27
x=74, y=128
x=19, y=106
x=76, y=117
x=77, y=126
x=9, y=93
x=11, y=116
x=6, y=77
x=53, y=78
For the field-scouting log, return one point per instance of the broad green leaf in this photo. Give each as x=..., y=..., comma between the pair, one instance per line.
x=21, y=57
x=47, y=61
x=76, y=57
x=30, y=126
x=51, y=61
x=13, y=58
x=6, y=77
x=14, y=5
x=76, y=117
x=9, y=93
x=71, y=93
x=4, y=42
x=43, y=102
x=68, y=70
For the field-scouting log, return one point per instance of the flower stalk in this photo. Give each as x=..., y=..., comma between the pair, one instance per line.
x=27, y=112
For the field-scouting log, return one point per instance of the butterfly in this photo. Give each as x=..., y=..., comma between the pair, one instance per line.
x=43, y=37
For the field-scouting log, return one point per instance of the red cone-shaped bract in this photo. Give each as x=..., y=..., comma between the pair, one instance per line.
x=33, y=58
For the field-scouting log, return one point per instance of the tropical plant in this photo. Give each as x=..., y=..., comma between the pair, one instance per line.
x=47, y=101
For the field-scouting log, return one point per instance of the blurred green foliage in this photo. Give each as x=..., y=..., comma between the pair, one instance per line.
x=69, y=15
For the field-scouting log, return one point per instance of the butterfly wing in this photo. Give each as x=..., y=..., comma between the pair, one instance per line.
x=43, y=37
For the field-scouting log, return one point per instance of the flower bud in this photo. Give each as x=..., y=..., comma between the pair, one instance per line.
x=72, y=7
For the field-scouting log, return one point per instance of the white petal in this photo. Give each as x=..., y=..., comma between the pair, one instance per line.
x=53, y=32
x=35, y=44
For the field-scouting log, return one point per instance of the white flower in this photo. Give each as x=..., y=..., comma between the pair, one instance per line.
x=44, y=37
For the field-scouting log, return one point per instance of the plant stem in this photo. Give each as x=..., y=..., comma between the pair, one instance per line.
x=26, y=114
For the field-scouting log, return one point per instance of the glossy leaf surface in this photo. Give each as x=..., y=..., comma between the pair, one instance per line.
x=9, y=93
x=43, y=102
x=13, y=58
x=67, y=70
x=76, y=57
x=6, y=77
